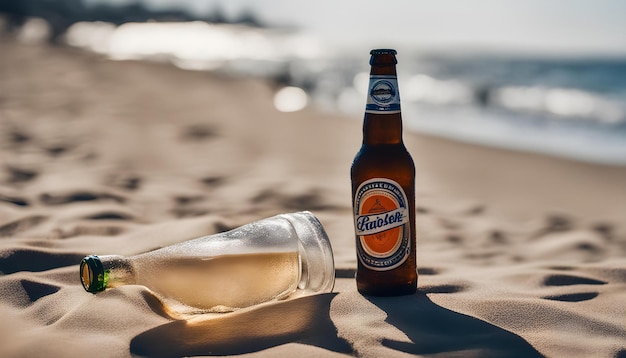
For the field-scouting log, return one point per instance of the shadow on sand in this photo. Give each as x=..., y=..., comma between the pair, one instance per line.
x=304, y=320
x=431, y=329
x=435, y=330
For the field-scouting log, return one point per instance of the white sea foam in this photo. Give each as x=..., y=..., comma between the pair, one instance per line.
x=563, y=102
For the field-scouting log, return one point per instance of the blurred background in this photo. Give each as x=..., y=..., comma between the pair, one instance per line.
x=547, y=77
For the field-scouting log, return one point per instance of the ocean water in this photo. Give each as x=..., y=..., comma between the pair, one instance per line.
x=568, y=107
x=573, y=107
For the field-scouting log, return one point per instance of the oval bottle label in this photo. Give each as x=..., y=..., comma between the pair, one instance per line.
x=383, y=95
x=381, y=222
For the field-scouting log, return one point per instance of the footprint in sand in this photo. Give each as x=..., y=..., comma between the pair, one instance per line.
x=125, y=181
x=605, y=230
x=498, y=237
x=57, y=150
x=110, y=215
x=476, y=210
x=16, y=200
x=36, y=290
x=449, y=224
x=310, y=200
x=18, y=137
x=199, y=132
x=451, y=288
x=307, y=201
x=213, y=182
x=76, y=196
x=454, y=239
x=36, y=260
x=569, y=280
x=555, y=223
x=20, y=175
x=87, y=229
x=447, y=288
x=562, y=268
x=25, y=291
x=188, y=199
x=222, y=227
x=15, y=226
x=428, y=271
x=574, y=297
x=189, y=206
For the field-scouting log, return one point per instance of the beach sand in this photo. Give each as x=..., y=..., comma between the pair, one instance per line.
x=519, y=255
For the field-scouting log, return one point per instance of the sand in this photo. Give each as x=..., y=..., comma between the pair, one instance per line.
x=520, y=255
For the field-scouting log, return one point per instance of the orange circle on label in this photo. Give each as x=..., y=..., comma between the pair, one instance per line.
x=385, y=241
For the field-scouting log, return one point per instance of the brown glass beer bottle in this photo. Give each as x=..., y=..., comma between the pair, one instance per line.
x=383, y=190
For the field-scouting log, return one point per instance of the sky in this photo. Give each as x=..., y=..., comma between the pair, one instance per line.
x=540, y=26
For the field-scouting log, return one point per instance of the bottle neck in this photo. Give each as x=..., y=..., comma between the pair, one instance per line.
x=101, y=272
x=120, y=270
x=382, y=129
x=382, y=123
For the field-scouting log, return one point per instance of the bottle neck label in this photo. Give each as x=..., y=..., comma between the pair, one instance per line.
x=383, y=95
x=381, y=221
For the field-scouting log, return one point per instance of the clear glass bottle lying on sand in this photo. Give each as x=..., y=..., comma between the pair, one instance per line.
x=271, y=259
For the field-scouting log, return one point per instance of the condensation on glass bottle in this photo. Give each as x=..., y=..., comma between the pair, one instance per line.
x=283, y=256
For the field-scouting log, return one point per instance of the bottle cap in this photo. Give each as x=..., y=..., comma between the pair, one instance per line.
x=92, y=274
x=383, y=57
x=383, y=51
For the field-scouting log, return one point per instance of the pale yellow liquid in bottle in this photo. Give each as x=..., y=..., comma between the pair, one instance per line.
x=222, y=283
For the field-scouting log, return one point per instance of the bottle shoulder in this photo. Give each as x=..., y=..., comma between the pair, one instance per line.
x=384, y=152
x=376, y=160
